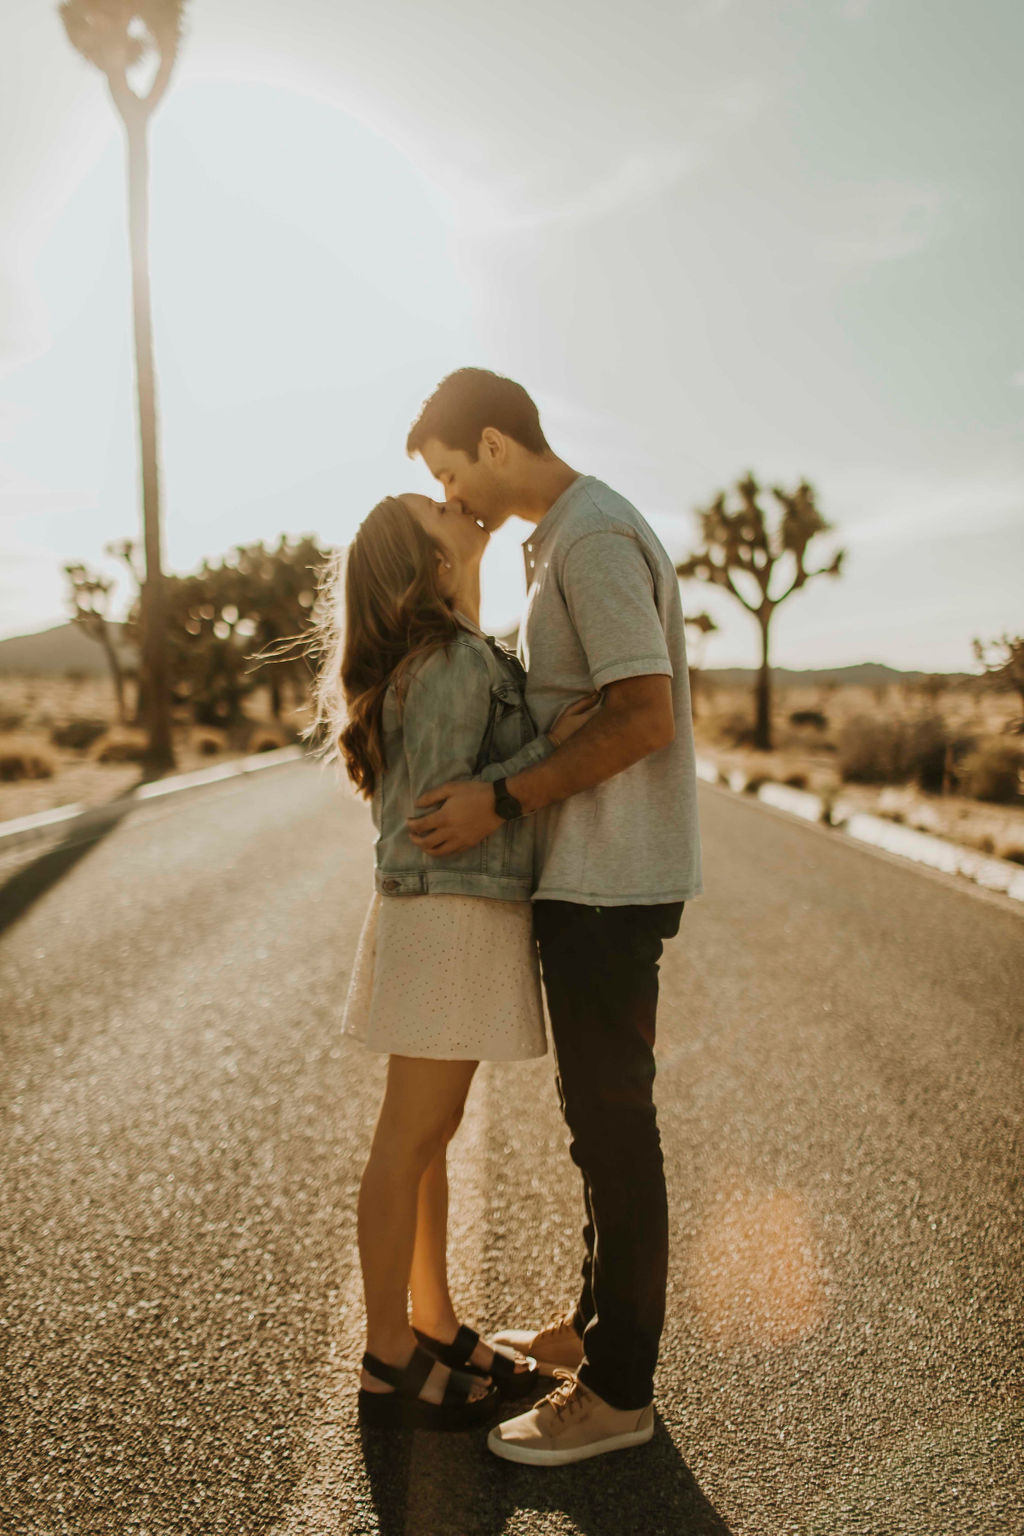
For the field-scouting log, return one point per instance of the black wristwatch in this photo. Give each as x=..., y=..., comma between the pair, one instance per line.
x=506, y=805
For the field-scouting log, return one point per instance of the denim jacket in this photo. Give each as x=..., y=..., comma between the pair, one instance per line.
x=463, y=715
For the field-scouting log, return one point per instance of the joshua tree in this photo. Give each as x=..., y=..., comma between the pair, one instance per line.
x=1003, y=661
x=229, y=620
x=90, y=597
x=704, y=625
x=123, y=38
x=741, y=549
x=279, y=587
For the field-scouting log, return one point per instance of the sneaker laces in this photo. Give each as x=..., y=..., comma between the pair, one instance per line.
x=557, y=1324
x=569, y=1393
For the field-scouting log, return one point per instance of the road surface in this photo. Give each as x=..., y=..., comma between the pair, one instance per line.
x=840, y=1098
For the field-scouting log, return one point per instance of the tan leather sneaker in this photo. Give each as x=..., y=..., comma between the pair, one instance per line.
x=557, y=1346
x=570, y=1424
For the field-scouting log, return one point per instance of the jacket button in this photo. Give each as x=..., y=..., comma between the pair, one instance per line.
x=391, y=885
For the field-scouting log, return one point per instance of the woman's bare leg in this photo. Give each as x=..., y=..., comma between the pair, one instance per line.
x=421, y=1100
x=432, y=1308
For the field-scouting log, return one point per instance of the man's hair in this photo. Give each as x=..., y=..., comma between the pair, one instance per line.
x=469, y=400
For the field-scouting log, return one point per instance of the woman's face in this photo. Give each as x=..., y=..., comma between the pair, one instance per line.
x=456, y=532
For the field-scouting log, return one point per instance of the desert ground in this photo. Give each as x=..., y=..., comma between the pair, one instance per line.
x=35, y=707
x=964, y=723
x=823, y=733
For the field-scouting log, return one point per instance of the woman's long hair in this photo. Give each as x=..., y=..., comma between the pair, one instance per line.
x=379, y=606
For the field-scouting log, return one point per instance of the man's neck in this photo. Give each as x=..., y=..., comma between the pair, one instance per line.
x=547, y=482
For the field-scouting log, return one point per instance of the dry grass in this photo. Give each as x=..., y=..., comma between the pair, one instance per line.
x=122, y=744
x=33, y=708
x=966, y=710
x=23, y=757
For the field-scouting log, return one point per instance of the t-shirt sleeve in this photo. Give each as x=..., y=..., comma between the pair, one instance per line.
x=609, y=592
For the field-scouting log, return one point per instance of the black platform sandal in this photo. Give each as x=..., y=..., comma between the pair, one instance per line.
x=502, y=1371
x=404, y=1408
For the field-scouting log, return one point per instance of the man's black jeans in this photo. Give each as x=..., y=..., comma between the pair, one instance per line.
x=600, y=968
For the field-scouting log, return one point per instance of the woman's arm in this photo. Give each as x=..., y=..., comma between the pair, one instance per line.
x=569, y=721
x=532, y=752
x=444, y=716
x=444, y=711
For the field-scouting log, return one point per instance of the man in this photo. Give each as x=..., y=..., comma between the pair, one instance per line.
x=618, y=856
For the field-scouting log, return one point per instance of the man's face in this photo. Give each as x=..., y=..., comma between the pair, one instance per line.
x=478, y=483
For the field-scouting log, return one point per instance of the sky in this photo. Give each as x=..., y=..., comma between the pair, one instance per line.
x=708, y=237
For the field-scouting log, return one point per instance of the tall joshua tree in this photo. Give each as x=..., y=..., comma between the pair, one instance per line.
x=90, y=598
x=741, y=550
x=126, y=38
x=1003, y=661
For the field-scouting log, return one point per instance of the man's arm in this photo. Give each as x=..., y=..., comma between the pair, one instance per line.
x=635, y=719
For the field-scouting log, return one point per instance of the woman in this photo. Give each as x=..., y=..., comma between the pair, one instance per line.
x=446, y=973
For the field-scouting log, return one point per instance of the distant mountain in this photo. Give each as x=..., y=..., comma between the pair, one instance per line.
x=866, y=674
x=66, y=648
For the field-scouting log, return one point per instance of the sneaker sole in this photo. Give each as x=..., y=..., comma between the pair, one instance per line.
x=549, y=1367
x=509, y=1451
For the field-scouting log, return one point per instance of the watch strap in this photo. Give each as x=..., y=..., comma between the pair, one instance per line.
x=506, y=805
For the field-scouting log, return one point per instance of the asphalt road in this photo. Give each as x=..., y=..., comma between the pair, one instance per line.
x=840, y=1096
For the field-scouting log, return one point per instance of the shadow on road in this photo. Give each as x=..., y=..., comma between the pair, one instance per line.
x=24, y=888
x=426, y=1484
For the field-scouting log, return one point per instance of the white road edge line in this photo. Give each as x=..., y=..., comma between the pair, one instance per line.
x=25, y=828
x=876, y=832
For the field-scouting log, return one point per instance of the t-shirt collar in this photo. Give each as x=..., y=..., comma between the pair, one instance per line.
x=535, y=541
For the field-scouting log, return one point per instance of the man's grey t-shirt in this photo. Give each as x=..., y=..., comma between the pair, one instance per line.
x=603, y=604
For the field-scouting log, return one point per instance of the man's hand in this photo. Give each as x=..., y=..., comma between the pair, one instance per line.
x=465, y=819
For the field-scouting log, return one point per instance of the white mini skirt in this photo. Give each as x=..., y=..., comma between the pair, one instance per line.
x=455, y=978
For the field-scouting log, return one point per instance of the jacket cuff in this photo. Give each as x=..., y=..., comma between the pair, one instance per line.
x=535, y=751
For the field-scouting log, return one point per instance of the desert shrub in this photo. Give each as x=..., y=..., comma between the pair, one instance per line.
x=1015, y=855
x=79, y=733
x=812, y=717
x=208, y=742
x=12, y=719
x=266, y=740
x=736, y=729
x=121, y=747
x=961, y=747
x=993, y=772
x=870, y=750
x=796, y=780
x=881, y=750
x=755, y=781
x=924, y=752
x=24, y=760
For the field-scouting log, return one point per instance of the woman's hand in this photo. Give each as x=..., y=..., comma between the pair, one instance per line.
x=573, y=717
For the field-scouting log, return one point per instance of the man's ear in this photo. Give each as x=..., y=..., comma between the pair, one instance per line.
x=494, y=445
